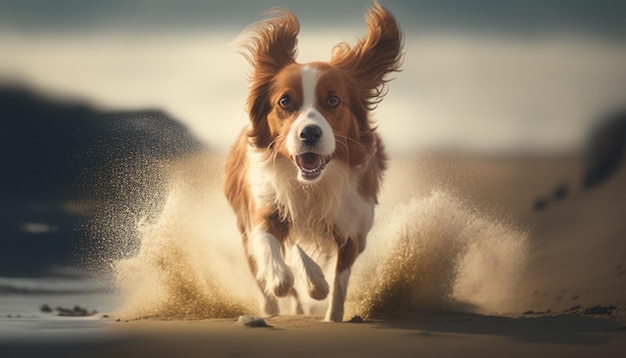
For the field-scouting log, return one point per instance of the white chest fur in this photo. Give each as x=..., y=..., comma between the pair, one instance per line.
x=314, y=210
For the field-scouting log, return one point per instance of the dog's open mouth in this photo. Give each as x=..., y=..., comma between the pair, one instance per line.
x=311, y=165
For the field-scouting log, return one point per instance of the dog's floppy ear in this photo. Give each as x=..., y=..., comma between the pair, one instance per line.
x=270, y=45
x=370, y=60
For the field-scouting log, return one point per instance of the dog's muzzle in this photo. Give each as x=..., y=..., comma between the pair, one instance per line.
x=311, y=165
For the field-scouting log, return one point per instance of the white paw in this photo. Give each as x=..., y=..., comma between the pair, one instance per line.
x=334, y=316
x=280, y=281
x=273, y=274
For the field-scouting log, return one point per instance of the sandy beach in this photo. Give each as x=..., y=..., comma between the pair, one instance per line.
x=567, y=300
x=116, y=239
x=438, y=336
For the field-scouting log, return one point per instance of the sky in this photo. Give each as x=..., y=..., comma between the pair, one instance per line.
x=478, y=75
x=601, y=16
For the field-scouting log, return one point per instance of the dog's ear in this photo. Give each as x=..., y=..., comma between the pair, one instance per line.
x=270, y=45
x=372, y=58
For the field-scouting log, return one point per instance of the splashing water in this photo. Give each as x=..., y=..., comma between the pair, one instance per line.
x=434, y=254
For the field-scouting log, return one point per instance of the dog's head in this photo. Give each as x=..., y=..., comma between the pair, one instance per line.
x=317, y=112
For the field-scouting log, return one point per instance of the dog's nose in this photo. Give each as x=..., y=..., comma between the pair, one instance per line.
x=311, y=134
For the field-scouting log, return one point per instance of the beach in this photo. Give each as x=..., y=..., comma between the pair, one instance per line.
x=499, y=229
x=566, y=300
x=442, y=336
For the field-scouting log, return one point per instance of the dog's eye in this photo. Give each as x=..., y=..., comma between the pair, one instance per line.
x=333, y=101
x=285, y=102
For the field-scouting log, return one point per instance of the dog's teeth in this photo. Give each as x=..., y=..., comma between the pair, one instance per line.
x=312, y=171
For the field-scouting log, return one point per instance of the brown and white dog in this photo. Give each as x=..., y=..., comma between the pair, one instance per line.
x=304, y=175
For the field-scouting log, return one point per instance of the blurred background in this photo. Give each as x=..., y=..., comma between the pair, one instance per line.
x=94, y=94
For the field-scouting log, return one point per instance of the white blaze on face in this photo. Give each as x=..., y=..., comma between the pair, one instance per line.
x=309, y=115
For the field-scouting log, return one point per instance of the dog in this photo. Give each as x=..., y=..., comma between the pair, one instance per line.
x=304, y=175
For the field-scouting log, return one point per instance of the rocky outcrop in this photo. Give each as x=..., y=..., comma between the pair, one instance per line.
x=605, y=149
x=57, y=151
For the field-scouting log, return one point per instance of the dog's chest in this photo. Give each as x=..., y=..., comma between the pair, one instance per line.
x=333, y=205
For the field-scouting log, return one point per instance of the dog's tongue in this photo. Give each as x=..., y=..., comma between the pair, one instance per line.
x=310, y=161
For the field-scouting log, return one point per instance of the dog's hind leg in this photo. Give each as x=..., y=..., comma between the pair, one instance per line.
x=347, y=254
x=297, y=305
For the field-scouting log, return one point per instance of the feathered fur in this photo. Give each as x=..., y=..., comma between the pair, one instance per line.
x=303, y=177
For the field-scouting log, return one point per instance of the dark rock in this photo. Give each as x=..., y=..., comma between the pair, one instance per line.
x=76, y=311
x=53, y=148
x=57, y=151
x=540, y=204
x=45, y=308
x=560, y=192
x=251, y=321
x=605, y=149
x=600, y=310
x=356, y=319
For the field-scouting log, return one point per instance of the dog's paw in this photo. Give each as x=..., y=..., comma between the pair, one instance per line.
x=334, y=313
x=316, y=285
x=311, y=273
x=334, y=317
x=269, y=306
x=281, y=281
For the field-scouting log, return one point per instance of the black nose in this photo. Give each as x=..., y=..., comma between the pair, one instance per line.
x=311, y=134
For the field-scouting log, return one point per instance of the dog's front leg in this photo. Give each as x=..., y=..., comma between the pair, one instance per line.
x=272, y=274
x=310, y=273
x=347, y=254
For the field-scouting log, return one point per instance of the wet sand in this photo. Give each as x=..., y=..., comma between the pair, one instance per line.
x=442, y=335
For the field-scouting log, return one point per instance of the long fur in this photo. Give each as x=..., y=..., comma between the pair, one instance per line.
x=292, y=216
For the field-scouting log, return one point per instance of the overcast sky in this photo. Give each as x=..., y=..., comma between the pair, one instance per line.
x=603, y=17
